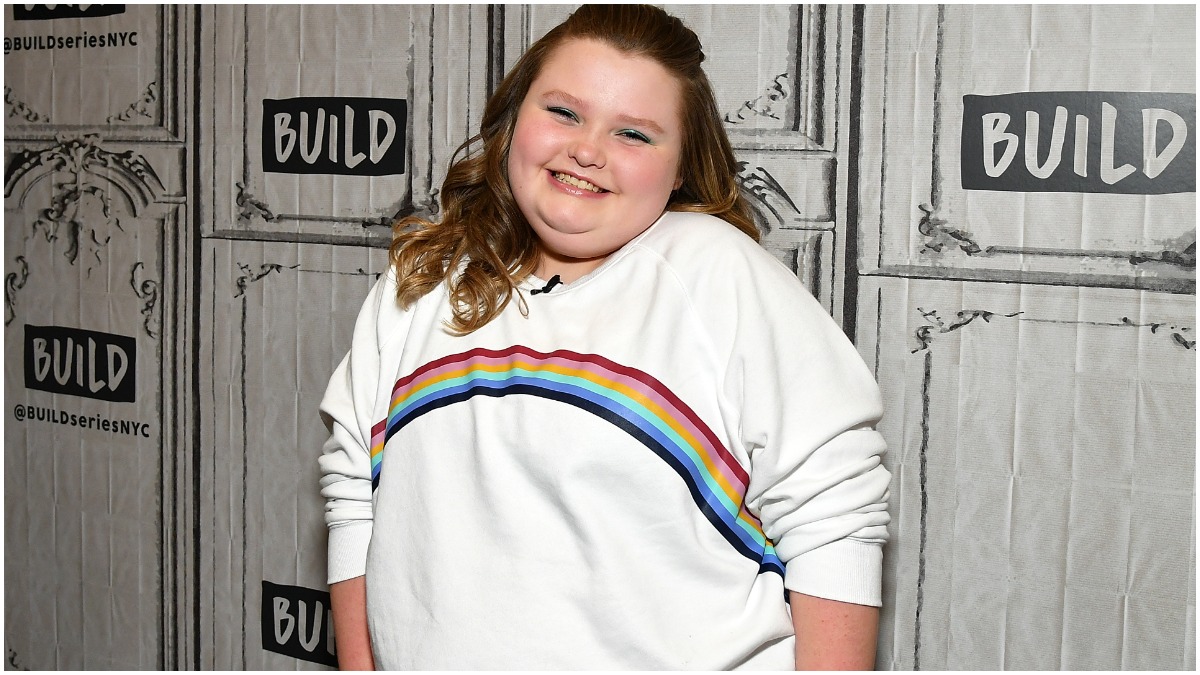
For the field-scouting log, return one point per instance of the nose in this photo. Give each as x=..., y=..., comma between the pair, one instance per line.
x=587, y=150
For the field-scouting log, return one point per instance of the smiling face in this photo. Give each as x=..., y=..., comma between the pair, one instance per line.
x=595, y=153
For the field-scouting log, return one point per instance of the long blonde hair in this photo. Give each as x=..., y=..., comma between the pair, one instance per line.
x=483, y=247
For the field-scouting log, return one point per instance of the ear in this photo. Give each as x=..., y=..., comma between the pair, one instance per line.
x=678, y=182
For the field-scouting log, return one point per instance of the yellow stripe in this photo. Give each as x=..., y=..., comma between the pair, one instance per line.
x=729, y=490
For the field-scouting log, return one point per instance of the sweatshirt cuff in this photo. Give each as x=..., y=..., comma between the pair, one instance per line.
x=348, y=544
x=843, y=570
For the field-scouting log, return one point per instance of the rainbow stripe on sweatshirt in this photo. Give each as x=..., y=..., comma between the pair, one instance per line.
x=628, y=398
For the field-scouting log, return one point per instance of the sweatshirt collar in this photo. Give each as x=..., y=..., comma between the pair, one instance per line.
x=533, y=282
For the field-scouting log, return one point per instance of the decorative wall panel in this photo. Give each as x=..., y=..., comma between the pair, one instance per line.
x=1042, y=444
x=84, y=470
x=95, y=191
x=918, y=220
x=279, y=318
x=125, y=66
x=433, y=58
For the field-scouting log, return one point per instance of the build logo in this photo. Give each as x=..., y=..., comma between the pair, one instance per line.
x=47, y=12
x=1080, y=141
x=78, y=362
x=297, y=622
x=352, y=136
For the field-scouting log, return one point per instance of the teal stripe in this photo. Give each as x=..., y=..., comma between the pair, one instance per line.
x=618, y=399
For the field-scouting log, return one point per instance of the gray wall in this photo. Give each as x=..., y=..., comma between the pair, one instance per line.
x=1033, y=331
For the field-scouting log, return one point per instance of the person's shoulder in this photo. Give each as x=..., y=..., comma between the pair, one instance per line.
x=383, y=310
x=690, y=239
x=699, y=246
x=680, y=228
x=725, y=273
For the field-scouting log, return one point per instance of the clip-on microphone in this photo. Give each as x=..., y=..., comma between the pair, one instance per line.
x=554, y=281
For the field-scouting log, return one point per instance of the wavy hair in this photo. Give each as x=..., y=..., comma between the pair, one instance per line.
x=483, y=247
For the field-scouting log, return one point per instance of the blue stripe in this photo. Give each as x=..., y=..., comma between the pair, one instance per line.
x=620, y=416
x=687, y=467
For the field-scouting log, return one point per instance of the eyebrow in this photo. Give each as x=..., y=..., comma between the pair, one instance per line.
x=570, y=100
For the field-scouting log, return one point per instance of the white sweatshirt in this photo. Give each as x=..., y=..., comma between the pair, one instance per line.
x=630, y=476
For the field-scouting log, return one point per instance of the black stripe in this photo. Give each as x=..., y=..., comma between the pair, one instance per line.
x=617, y=420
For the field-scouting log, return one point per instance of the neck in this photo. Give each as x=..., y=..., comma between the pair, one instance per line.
x=566, y=269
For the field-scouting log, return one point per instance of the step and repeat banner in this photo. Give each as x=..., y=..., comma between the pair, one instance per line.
x=997, y=203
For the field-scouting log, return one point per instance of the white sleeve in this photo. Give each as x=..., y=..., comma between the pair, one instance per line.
x=348, y=410
x=808, y=407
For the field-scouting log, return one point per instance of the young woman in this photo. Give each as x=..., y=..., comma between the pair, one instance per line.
x=585, y=420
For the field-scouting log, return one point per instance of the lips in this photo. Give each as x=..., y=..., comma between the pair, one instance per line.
x=577, y=182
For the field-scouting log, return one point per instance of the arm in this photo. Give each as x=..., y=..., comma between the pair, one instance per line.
x=349, y=599
x=808, y=408
x=347, y=409
x=832, y=635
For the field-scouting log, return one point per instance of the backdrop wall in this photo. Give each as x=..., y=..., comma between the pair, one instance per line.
x=997, y=203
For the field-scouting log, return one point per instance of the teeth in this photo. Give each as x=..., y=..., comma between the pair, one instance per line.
x=577, y=182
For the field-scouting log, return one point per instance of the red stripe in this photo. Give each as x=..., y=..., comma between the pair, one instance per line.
x=638, y=375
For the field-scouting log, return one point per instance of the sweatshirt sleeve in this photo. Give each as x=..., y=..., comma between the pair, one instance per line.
x=806, y=407
x=348, y=410
x=809, y=406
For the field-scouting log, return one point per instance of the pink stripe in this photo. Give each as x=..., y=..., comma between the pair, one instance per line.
x=636, y=380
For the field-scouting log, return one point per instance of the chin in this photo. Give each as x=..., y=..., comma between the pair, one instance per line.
x=564, y=239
